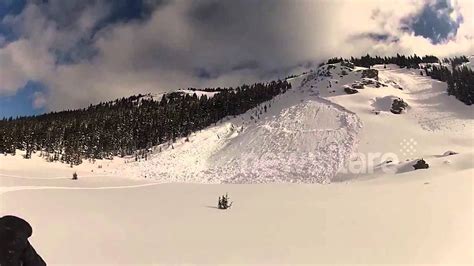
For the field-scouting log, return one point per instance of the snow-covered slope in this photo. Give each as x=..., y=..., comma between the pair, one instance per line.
x=316, y=131
x=313, y=133
x=296, y=137
x=432, y=124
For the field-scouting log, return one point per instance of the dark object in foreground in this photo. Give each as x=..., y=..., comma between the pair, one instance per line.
x=74, y=176
x=15, y=249
x=421, y=164
x=223, y=203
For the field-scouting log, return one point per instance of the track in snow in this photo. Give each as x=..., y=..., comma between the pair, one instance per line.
x=17, y=188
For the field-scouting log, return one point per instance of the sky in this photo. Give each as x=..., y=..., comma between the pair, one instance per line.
x=57, y=54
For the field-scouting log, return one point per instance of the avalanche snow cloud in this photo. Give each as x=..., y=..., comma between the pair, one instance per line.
x=84, y=52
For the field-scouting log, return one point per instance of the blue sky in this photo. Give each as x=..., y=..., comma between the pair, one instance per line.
x=21, y=104
x=434, y=22
x=57, y=54
x=11, y=7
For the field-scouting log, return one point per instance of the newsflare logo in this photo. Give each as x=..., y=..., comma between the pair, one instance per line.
x=408, y=147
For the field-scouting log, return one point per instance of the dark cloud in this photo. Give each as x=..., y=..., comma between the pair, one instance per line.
x=377, y=37
x=123, y=11
x=203, y=73
x=251, y=64
x=65, y=13
x=82, y=50
x=250, y=29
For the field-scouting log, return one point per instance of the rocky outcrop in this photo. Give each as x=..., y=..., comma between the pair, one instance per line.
x=350, y=90
x=372, y=82
x=398, y=106
x=421, y=164
x=357, y=85
x=370, y=73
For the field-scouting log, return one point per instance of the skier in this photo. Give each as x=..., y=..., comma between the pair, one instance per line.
x=15, y=249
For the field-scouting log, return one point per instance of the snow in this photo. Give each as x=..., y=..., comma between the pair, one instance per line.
x=435, y=121
x=471, y=62
x=200, y=93
x=414, y=218
x=376, y=210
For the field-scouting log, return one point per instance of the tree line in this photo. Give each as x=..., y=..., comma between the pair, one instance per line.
x=460, y=80
x=411, y=61
x=128, y=126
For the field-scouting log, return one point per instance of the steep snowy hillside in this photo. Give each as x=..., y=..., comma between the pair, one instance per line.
x=297, y=137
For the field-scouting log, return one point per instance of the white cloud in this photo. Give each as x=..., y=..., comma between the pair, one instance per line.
x=22, y=61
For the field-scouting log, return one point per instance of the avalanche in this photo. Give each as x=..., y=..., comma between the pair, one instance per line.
x=297, y=137
x=312, y=133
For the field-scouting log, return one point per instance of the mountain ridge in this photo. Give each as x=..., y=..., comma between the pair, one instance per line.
x=304, y=129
